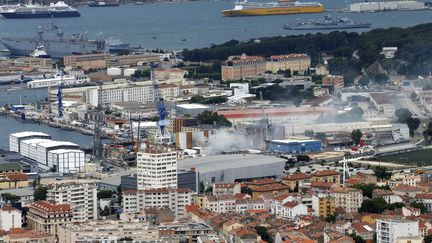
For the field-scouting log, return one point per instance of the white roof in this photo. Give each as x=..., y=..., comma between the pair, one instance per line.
x=52, y=143
x=192, y=106
x=64, y=151
x=144, y=124
x=28, y=134
x=36, y=141
x=51, y=80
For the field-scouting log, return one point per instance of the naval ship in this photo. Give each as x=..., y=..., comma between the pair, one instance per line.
x=328, y=23
x=57, y=45
x=57, y=10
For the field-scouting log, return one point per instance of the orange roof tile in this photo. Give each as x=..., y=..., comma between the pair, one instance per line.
x=50, y=208
x=297, y=176
x=406, y=188
x=17, y=177
x=325, y=173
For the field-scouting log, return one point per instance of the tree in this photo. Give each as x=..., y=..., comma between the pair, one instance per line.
x=126, y=239
x=40, y=193
x=357, y=238
x=303, y=158
x=413, y=124
x=364, y=81
x=420, y=206
x=403, y=115
x=10, y=197
x=246, y=190
x=262, y=231
x=104, y=194
x=376, y=205
x=356, y=136
x=382, y=173
x=209, y=190
x=201, y=187
x=413, y=96
x=427, y=239
x=212, y=118
x=197, y=98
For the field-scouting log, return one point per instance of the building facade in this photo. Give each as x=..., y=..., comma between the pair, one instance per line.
x=10, y=217
x=157, y=170
x=239, y=67
x=294, y=62
x=349, y=199
x=47, y=217
x=81, y=196
x=391, y=230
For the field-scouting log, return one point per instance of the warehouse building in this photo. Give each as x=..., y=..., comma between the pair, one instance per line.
x=294, y=146
x=233, y=167
x=44, y=148
x=28, y=147
x=66, y=160
x=16, y=138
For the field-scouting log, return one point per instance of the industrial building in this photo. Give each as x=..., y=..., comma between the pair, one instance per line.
x=16, y=138
x=66, y=80
x=233, y=167
x=295, y=146
x=66, y=160
x=44, y=148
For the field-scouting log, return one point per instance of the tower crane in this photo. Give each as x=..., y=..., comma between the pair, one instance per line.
x=162, y=136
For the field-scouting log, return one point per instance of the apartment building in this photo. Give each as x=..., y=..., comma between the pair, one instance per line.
x=323, y=205
x=295, y=180
x=349, y=199
x=81, y=196
x=96, y=61
x=226, y=188
x=393, y=230
x=157, y=169
x=108, y=231
x=240, y=67
x=47, y=217
x=294, y=62
x=175, y=199
x=287, y=207
x=183, y=231
x=383, y=104
x=229, y=203
x=10, y=217
x=335, y=80
x=326, y=176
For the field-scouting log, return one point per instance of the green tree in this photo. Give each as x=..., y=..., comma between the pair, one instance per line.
x=356, y=136
x=40, y=193
x=209, y=190
x=420, y=206
x=10, y=197
x=427, y=239
x=382, y=173
x=197, y=98
x=364, y=81
x=105, y=194
x=246, y=190
x=381, y=78
x=376, y=205
x=212, y=118
x=413, y=124
x=357, y=238
x=262, y=231
x=403, y=115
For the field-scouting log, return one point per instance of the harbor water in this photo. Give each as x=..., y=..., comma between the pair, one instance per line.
x=196, y=24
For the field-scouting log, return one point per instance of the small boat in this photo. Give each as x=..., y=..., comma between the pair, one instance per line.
x=40, y=52
x=139, y=3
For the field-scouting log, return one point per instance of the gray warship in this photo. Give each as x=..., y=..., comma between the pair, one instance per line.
x=52, y=38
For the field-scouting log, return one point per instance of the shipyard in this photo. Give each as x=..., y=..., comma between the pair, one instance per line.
x=175, y=121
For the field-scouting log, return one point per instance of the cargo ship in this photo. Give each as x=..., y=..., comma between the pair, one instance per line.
x=57, y=10
x=327, y=23
x=57, y=45
x=246, y=8
x=104, y=4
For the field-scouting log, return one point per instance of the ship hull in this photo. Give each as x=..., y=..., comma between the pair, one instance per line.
x=25, y=46
x=41, y=15
x=336, y=27
x=274, y=11
x=95, y=5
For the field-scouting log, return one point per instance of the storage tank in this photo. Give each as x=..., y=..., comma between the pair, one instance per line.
x=114, y=71
x=129, y=71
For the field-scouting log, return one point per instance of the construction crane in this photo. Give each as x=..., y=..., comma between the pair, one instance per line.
x=162, y=135
x=59, y=97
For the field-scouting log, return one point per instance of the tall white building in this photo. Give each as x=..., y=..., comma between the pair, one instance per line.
x=156, y=169
x=175, y=199
x=81, y=196
x=10, y=217
x=389, y=230
x=16, y=138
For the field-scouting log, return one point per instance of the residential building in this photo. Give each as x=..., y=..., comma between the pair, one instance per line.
x=10, y=217
x=102, y=61
x=11, y=181
x=240, y=67
x=383, y=104
x=392, y=230
x=425, y=199
x=10, y=168
x=226, y=188
x=225, y=203
x=188, y=179
x=108, y=231
x=185, y=232
x=349, y=199
x=295, y=180
x=28, y=236
x=286, y=207
x=295, y=62
x=404, y=190
x=174, y=199
x=47, y=217
x=323, y=205
x=364, y=178
x=81, y=196
x=335, y=80
x=169, y=73
x=257, y=192
x=326, y=176
x=157, y=169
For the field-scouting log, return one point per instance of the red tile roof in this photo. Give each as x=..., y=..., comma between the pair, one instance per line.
x=423, y=196
x=224, y=185
x=325, y=173
x=50, y=208
x=320, y=184
x=8, y=208
x=290, y=204
x=260, y=182
x=297, y=176
x=406, y=188
x=17, y=177
x=190, y=208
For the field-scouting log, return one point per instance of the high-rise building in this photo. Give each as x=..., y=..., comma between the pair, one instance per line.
x=390, y=230
x=157, y=169
x=81, y=196
x=349, y=199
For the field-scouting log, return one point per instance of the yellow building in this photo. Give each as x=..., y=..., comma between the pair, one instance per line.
x=240, y=67
x=323, y=205
x=47, y=217
x=295, y=180
x=294, y=62
x=12, y=181
x=326, y=176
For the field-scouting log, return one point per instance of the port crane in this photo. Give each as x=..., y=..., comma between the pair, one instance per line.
x=59, y=97
x=162, y=135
